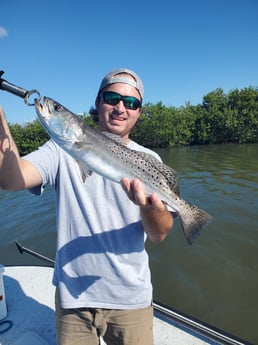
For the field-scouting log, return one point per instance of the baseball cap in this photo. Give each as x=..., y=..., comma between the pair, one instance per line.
x=114, y=77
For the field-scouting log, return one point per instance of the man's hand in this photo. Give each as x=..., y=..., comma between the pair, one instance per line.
x=156, y=219
x=137, y=194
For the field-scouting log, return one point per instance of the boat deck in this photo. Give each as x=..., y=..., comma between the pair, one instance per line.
x=30, y=304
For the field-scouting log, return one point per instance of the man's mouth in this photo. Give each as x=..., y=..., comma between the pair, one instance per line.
x=117, y=118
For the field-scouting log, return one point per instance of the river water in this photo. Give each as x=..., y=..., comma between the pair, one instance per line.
x=216, y=279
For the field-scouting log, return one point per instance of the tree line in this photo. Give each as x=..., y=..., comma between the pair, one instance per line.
x=220, y=118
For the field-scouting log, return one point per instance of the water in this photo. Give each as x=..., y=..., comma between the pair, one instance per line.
x=214, y=280
x=31, y=221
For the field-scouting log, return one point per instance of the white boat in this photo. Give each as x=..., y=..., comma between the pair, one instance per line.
x=29, y=301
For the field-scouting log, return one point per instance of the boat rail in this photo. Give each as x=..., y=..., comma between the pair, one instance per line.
x=169, y=314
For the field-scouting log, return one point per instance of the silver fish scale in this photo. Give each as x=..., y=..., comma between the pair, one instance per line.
x=146, y=167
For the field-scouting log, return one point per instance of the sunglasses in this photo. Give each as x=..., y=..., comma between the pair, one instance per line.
x=114, y=98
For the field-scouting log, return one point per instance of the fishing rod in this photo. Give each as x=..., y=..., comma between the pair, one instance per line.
x=17, y=90
x=170, y=315
x=23, y=249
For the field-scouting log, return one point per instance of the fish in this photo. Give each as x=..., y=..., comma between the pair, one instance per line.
x=106, y=154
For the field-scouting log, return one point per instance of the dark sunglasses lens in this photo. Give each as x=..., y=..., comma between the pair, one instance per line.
x=131, y=102
x=111, y=98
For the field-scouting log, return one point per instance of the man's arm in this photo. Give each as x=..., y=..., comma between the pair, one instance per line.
x=156, y=219
x=15, y=173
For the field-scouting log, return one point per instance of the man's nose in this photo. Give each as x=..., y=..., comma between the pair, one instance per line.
x=120, y=106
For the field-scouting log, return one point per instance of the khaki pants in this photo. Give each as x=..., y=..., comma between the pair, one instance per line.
x=84, y=326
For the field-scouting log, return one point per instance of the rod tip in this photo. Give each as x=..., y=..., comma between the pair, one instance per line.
x=19, y=246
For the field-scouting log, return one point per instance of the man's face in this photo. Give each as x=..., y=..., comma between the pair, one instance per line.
x=117, y=118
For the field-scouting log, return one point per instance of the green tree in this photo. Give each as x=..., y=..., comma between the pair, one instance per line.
x=29, y=137
x=183, y=125
x=210, y=122
x=243, y=123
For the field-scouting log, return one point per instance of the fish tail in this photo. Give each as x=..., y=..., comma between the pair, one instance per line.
x=193, y=222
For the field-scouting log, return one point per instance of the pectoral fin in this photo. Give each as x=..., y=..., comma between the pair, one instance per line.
x=83, y=171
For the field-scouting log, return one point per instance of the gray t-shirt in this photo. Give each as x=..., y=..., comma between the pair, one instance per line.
x=101, y=260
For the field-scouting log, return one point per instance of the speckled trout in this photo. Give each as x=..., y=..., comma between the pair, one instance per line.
x=105, y=154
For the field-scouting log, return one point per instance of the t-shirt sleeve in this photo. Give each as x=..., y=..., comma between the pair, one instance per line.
x=46, y=160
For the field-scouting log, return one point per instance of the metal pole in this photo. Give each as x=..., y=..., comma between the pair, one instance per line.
x=31, y=252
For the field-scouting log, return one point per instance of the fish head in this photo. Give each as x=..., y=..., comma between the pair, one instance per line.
x=49, y=111
x=58, y=121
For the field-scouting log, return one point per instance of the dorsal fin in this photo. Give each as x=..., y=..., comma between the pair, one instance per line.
x=115, y=137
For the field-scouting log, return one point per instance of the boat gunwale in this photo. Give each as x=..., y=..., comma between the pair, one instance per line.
x=186, y=322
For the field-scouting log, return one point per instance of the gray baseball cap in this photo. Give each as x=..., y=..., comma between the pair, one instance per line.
x=114, y=77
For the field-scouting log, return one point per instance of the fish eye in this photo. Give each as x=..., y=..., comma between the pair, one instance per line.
x=57, y=107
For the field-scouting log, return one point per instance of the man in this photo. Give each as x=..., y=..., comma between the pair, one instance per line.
x=102, y=277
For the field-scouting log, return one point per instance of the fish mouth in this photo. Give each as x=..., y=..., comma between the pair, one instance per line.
x=38, y=105
x=44, y=109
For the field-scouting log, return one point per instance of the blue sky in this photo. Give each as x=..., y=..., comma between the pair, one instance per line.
x=182, y=49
